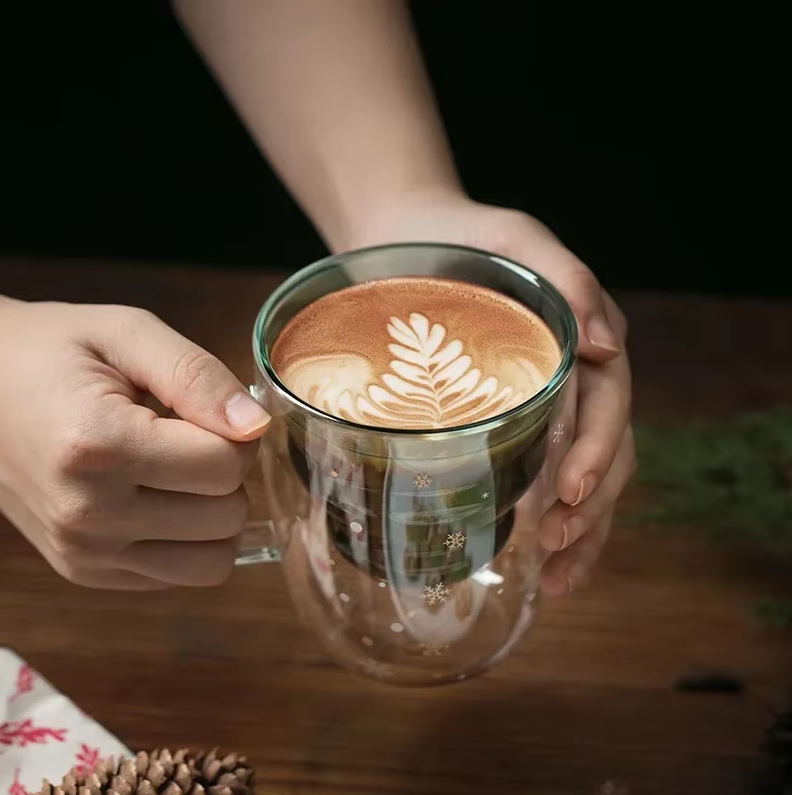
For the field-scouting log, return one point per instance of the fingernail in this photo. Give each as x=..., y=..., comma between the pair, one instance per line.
x=586, y=487
x=575, y=576
x=573, y=529
x=556, y=539
x=601, y=336
x=244, y=414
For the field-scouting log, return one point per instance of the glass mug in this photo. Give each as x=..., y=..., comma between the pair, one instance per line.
x=412, y=554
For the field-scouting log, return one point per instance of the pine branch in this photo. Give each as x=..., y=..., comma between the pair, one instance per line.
x=732, y=479
x=735, y=479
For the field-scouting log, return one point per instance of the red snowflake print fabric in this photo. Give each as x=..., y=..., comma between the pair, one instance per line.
x=16, y=787
x=24, y=682
x=86, y=760
x=42, y=733
x=25, y=733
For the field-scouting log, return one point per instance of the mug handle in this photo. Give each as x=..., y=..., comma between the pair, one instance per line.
x=259, y=539
x=256, y=546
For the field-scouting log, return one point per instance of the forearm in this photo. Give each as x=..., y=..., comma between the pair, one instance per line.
x=7, y=302
x=336, y=95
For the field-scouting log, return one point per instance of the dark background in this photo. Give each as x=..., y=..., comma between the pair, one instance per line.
x=649, y=136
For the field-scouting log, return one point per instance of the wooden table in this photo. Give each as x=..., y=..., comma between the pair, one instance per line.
x=586, y=699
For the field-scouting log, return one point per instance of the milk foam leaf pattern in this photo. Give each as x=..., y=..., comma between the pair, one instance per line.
x=431, y=385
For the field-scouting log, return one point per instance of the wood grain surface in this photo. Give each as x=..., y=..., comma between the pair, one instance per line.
x=585, y=705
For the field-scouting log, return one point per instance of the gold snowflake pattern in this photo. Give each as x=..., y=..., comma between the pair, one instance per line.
x=434, y=649
x=455, y=541
x=376, y=669
x=422, y=481
x=558, y=433
x=433, y=594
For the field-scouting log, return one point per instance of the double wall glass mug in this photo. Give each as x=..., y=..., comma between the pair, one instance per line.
x=412, y=554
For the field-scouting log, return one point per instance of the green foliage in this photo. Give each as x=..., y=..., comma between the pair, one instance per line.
x=731, y=479
x=735, y=479
x=775, y=612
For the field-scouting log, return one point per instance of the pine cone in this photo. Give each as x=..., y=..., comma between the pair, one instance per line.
x=162, y=773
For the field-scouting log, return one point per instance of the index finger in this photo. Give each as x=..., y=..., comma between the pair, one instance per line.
x=602, y=417
x=175, y=455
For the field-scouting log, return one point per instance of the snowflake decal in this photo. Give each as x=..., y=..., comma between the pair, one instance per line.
x=484, y=495
x=376, y=669
x=422, y=481
x=433, y=649
x=433, y=594
x=558, y=433
x=455, y=541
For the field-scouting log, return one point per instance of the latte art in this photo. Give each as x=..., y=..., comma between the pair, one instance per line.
x=470, y=354
x=427, y=386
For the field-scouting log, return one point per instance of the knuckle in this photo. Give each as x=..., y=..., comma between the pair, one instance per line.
x=582, y=279
x=136, y=317
x=229, y=479
x=84, y=451
x=230, y=464
x=235, y=510
x=504, y=237
x=513, y=221
x=193, y=368
x=128, y=321
x=71, y=515
x=223, y=565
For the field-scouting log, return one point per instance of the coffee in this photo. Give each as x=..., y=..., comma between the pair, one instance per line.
x=415, y=353
x=408, y=527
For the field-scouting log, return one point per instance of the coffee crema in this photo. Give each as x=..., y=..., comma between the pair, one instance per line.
x=420, y=353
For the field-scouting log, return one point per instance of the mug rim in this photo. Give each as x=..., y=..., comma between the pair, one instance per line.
x=548, y=391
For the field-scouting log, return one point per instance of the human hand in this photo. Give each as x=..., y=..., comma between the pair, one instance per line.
x=601, y=459
x=111, y=494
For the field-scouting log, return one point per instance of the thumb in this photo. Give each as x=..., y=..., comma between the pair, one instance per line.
x=183, y=376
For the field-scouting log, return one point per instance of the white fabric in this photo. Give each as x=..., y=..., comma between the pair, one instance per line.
x=42, y=733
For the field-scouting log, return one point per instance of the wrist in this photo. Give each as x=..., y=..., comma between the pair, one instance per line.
x=382, y=219
x=7, y=303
